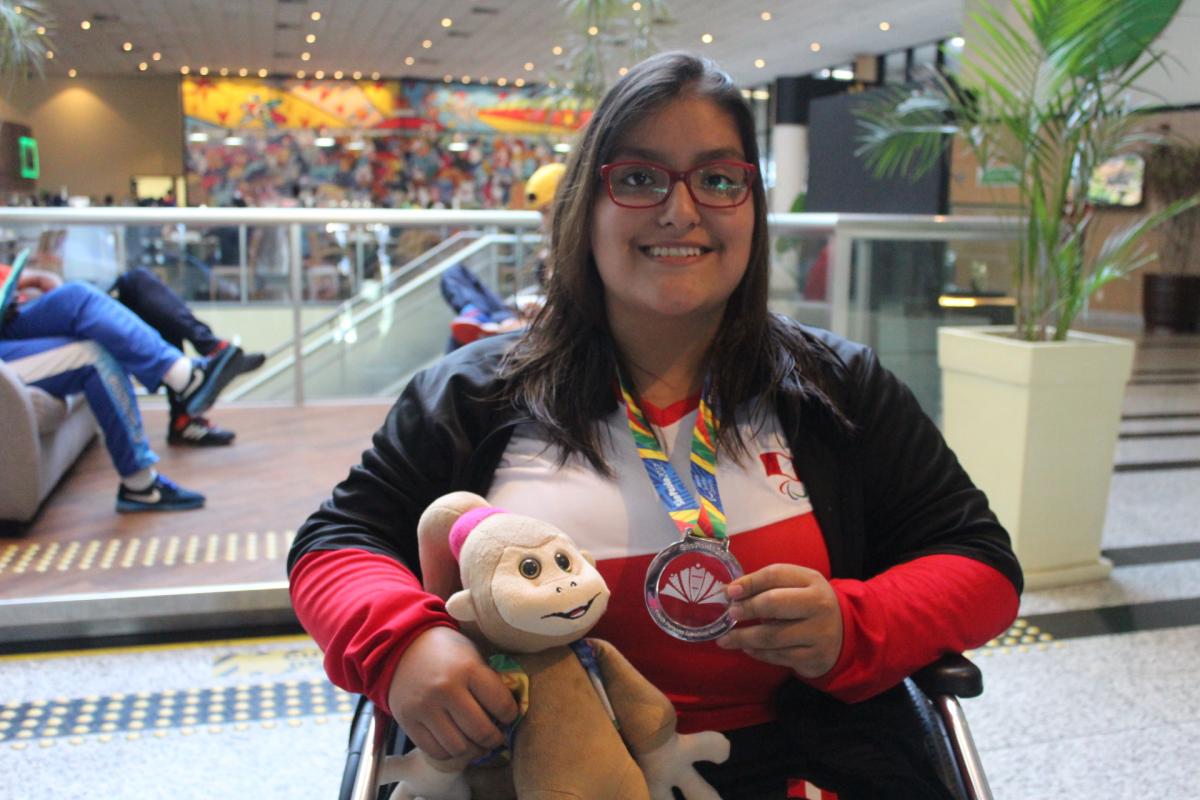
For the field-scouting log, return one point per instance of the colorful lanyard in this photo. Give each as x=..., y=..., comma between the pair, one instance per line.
x=706, y=518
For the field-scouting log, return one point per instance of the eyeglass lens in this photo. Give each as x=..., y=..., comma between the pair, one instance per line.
x=717, y=185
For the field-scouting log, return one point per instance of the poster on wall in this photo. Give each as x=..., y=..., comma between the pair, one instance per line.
x=403, y=144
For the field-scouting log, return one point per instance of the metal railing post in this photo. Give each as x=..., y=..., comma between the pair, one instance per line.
x=839, y=283
x=295, y=265
x=243, y=265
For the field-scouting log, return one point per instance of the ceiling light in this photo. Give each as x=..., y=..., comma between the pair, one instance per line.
x=128, y=46
x=622, y=71
x=243, y=72
x=457, y=147
x=86, y=24
x=71, y=73
x=466, y=78
x=593, y=30
x=427, y=43
x=842, y=74
x=447, y=22
x=502, y=81
x=50, y=54
x=357, y=75
x=519, y=82
x=815, y=47
x=143, y=66
x=765, y=16
x=958, y=42
x=204, y=70
x=156, y=56
x=557, y=50
x=562, y=147
x=338, y=75
x=447, y=78
x=197, y=136
x=760, y=94
x=324, y=141
x=885, y=26
x=319, y=74
x=409, y=60
x=529, y=66
x=311, y=38
x=300, y=74
x=234, y=141
x=758, y=62
x=374, y=76
x=262, y=73
x=224, y=71
x=184, y=70
x=484, y=80
x=315, y=16
x=636, y=6
x=305, y=56
x=41, y=29
x=706, y=38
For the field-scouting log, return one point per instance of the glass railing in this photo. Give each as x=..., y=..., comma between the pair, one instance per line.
x=353, y=297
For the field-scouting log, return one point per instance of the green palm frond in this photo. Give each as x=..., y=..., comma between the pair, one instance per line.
x=1046, y=93
x=22, y=46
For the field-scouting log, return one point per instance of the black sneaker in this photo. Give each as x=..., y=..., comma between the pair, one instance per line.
x=251, y=362
x=210, y=376
x=163, y=495
x=197, y=432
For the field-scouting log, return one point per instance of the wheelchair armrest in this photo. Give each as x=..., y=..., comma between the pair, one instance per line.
x=951, y=674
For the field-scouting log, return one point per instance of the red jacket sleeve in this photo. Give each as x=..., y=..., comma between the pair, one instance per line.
x=907, y=617
x=363, y=609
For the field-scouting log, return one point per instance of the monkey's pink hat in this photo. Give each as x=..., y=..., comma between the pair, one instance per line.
x=465, y=524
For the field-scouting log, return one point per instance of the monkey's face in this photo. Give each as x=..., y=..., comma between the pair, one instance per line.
x=551, y=589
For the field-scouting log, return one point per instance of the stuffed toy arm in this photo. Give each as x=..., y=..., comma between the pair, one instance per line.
x=647, y=721
x=671, y=765
x=419, y=776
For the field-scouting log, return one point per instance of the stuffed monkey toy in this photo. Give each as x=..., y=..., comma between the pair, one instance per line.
x=592, y=726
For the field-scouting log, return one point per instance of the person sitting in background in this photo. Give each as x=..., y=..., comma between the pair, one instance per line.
x=540, y=190
x=144, y=293
x=480, y=310
x=68, y=338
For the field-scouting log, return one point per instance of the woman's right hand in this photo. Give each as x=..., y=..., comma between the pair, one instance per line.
x=447, y=699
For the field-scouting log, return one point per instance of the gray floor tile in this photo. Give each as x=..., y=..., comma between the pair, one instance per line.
x=1140, y=584
x=1144, y=450
x=1152, y=508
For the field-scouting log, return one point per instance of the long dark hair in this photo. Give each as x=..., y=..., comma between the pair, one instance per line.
x=562, y=371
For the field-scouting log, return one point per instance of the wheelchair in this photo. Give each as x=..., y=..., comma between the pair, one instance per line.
x=933, y=690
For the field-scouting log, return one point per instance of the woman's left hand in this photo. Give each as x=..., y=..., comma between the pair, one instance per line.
x=800, y=619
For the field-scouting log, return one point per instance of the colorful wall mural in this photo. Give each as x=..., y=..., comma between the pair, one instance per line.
x=405, y=143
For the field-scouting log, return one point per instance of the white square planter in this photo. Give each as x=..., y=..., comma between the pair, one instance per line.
x=1035, y=426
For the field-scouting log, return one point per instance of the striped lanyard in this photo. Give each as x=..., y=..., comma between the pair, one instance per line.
x=705, y=518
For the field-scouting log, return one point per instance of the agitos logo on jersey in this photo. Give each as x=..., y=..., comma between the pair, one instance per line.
x=779, y=465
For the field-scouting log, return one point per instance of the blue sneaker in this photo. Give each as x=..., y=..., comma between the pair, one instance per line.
x=162, y=495
x=210, y=376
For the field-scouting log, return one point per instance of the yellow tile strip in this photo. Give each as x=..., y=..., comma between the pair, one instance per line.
x=143, y=552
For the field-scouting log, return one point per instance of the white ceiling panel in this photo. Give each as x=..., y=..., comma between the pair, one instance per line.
x=488, y=38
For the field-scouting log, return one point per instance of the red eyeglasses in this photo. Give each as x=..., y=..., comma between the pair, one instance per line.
x=642, y=184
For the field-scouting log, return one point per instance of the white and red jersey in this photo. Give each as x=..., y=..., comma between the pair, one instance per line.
x=623, y=524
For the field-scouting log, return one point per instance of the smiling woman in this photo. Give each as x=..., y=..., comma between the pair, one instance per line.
x=819, y=543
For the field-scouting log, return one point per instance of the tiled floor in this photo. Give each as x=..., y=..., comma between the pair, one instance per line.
x=1115, y=714
x=1105, y=704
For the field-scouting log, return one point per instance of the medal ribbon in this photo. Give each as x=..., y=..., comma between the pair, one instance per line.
x=706, y=517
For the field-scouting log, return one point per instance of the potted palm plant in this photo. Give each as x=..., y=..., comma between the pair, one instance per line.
x=1032, y=410
x=1171, y=296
